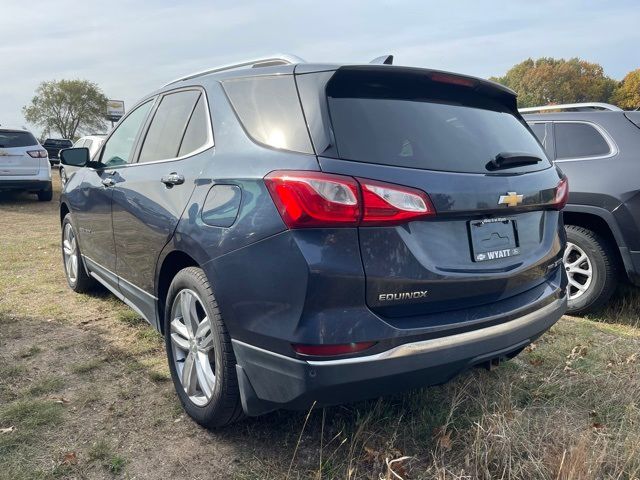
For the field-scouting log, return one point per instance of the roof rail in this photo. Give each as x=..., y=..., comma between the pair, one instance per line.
x=279, y=59
x=573, y=106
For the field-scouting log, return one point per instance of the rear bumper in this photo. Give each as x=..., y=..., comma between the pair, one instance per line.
x=269, y=381
x=25, y=185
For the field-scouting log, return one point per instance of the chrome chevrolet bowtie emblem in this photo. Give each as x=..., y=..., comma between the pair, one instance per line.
x=511, y=199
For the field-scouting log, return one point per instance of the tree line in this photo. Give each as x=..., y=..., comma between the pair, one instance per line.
x=549, y=81
x=74, y=107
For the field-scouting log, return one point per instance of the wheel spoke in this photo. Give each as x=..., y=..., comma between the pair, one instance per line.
x=179, y=328
x=189, y=375
x=577, y=262
x=189, y=316
x=579, y=286
x=204, y=336
x=66, y=245
x=581, y=271
x=179, y=341
x=204, y=374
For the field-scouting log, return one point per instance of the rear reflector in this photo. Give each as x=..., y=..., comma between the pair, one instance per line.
x=562, y=194
x=332, y=350
x=316, y=199
x=37, y=153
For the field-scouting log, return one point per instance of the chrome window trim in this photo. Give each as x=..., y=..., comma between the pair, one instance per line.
x=613, y=148
x=210, y=139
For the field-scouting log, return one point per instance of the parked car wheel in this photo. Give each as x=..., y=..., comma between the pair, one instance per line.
x=201, y=359
x=77, y=276
x=63, y=176
x=591, y=267
x=45, y=195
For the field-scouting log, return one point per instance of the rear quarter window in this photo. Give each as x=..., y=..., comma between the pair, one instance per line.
x=579, y=140
x=10, y=139
x=269, y=109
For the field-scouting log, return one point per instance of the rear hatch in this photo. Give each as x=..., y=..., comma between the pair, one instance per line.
x=14, y=159
x=460, y=140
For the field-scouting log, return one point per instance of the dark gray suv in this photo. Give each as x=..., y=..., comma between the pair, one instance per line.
x=308, y=233
x=598, y=148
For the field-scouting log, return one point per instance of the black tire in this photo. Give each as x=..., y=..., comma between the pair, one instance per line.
x=604, y=265
x=83, y=282
x=224, y=406
x=45, y=195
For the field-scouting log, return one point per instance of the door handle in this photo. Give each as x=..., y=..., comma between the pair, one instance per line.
x=172, y=179
x=108, y=182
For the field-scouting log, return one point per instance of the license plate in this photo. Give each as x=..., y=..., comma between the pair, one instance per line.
x=493, y=239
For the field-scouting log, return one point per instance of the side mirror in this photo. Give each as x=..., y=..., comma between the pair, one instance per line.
x=76, y=157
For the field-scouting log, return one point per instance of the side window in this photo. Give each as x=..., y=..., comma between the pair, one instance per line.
x=270, y=111
x=119, y=148
x=540, y=131
x=79, y=143
x=579, y=140
x=168, y=126
x=197, y=132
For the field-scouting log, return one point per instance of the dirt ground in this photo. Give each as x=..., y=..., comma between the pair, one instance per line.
x=85, y=393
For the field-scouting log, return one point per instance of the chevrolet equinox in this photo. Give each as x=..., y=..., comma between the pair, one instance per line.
x=306, y=233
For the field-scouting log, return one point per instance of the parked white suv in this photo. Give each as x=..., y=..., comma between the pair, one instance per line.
x=24, y=164
x=93, y=143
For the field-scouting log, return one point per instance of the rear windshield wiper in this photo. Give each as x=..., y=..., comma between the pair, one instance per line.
x=511, y=159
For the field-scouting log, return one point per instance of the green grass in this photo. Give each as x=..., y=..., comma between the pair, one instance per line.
x=31, y=352
x=46, y=385
x=102, y=453
x=87, y=366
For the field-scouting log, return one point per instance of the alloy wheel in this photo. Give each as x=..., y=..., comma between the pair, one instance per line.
x=192, y=345
x=70, y=252
x=579, y=270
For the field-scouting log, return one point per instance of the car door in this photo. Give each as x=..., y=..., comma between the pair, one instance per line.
x=91, y=202
x=151, y=195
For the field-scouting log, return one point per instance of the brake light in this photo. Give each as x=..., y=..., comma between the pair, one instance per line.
x=316, y=199
x=562, y=194
x=385, y=204
x=453, y=79
x=37, y=153
x=332, y=350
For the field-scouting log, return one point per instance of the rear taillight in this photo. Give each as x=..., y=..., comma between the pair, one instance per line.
x=37, y=153
x=385, y=204
x=562, y=194
x=316, y=199
x=332, y=350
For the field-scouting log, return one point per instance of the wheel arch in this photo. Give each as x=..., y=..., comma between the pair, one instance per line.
x=601, y=222
x=171, y=264
x=64, y=210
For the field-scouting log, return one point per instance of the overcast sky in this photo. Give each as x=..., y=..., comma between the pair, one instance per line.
x=132, y=48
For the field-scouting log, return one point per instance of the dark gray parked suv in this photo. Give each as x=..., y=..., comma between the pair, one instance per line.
x=308, y=233
x=598, y=148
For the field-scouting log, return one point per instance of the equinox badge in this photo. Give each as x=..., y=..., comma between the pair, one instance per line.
x=511, y=199
x=385, y=297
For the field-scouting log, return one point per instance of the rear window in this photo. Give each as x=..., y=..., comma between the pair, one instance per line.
x=58, y=142
x=9, y=139
x=407, y=120
x=579, y=140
